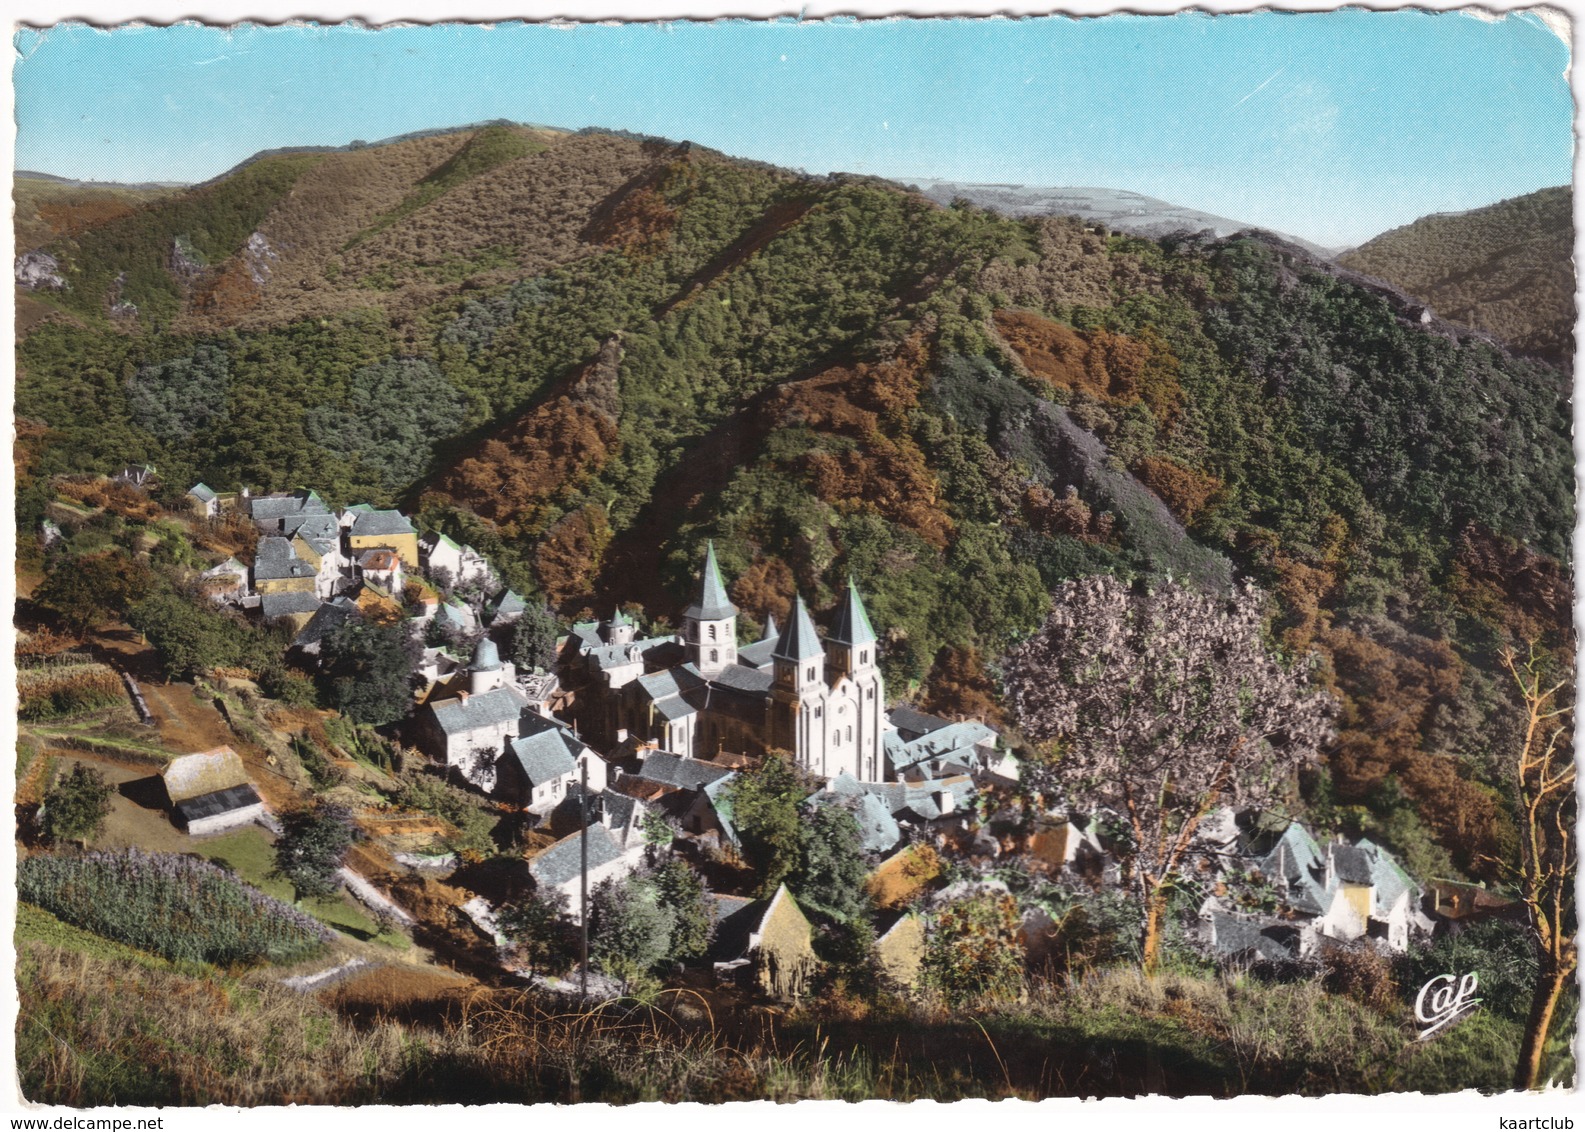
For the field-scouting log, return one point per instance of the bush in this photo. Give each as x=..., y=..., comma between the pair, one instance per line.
x=175, y=906
x=76, y=807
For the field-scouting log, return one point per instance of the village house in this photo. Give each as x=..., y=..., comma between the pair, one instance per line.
x=371, y=529
x=209, y=792
x=543, y=764
x=469, y=730
x=203, y=501
x=559, y=869
x=463, y=565
x=383, y=567
x=503, y=609
x=226, y=583
x=329, y=617
x=136, y=475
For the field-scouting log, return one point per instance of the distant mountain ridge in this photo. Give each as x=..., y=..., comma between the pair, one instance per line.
x=1119, y=209
x=1505, y=269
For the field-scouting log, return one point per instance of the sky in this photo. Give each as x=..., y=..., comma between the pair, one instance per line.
x=1333, y=126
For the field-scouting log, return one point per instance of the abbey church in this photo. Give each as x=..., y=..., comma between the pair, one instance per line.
x=701, y=693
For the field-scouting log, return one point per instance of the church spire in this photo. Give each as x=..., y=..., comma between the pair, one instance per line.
x=799, y=641
x=771, y=633
x=713, y=604
x=852, y=626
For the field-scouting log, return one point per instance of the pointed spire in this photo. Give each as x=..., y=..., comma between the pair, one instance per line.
x=771, y=632
x=799, y=641
x=620, y=618
x=713, y=604
x=852, y=626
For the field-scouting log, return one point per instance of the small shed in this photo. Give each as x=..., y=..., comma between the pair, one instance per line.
x=769, y=942
x=209, y=792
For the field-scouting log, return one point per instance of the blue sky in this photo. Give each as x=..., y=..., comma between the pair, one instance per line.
x=1333, y=126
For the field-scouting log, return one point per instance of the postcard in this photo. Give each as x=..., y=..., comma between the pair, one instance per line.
x=793, y=559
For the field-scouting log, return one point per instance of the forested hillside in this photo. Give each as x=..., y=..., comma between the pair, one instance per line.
x=1504, y=269
x=587, y=353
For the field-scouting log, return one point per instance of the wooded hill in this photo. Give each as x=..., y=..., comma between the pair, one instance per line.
x=1505, y=268
x=587, y=353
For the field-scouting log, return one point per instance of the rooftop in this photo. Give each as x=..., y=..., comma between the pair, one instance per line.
x=460, y=715
x=562, y=862
x=371, y=523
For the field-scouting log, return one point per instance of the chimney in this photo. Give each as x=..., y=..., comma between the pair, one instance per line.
x=462, y=697
x=945, y=801
x=621, y=735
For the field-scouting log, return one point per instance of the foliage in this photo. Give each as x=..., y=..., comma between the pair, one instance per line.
x=534, y=639
x=75, y=808
x=765, y=804
x=175, y=399
x=1160, y=705
x=1502, y=268
x=465, y=812
x=312, y=845
x=366, y=669
x=390, y=420
x=679, y=887
x=90, y=591
x=191, y=636
x=175, y=906
x=543, y=940
x=972, y=953
x=66, y=685
x=630, y=931
x=831, y=870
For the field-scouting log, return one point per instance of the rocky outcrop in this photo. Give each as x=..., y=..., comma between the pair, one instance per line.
x=39, y=271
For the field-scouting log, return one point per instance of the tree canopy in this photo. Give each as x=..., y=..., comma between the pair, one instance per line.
x=1159, y=705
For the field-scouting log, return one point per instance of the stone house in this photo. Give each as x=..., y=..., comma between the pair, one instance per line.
x=203, y=501
x=383, y=567
x=468, y=730
x=209, y=792
x=543, y=764
x=768, y=944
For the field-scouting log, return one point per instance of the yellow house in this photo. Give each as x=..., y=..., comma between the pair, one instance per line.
x=372, y=530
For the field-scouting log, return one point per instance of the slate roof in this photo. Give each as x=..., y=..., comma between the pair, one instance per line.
x=758, y=654
x=455, y=613
x=379, y=559
x=671, y=682
x=326, y=618
x=616, y=808
x=546, y=755
x=370, y=523
x=852, y=625
x=1387, y=875
x=680, y=771
x=914, y=801
x=799, y=641
x=272, y=606
x=203, y=493
x=913, y=723
x=272, y=508
x=562, y=861
x=229, y=566
x=486, y=657
x=607, y=656
x=712, y=603
x=955, y=741
x=721, y=803
x=507, y=604
x=878, y=829
x=484, y=710
x=672, y=708
x=735, y=918
x=1260, y=940
x=316, y=527
x=215, y=803
x=276, y=561
x=742, y=678
x=1350, y=863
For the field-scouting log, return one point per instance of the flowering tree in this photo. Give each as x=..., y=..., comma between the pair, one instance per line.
x=1161, y=705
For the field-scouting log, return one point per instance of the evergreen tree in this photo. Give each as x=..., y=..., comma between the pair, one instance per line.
x=312, y=845
x=76, y=807
x=367, y=669
x=534, y=639
x=764, y=805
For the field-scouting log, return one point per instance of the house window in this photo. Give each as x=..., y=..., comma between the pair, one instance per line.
x=715, y=654
x=864, y=656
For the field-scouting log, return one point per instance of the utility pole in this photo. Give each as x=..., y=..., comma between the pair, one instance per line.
x=583, y=875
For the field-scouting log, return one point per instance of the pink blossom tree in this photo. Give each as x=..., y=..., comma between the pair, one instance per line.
x=1161, y=705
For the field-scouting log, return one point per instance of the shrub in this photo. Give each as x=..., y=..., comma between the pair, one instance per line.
x=76, y=807
x=175, y=906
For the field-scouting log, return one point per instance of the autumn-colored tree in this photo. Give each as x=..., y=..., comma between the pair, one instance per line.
x=1543, y=776
x=1161, y=705
x=958, y=685
x=973, y=952
x=87, y=592
x=1184, y=490
x=766, y=587
x=569, y=558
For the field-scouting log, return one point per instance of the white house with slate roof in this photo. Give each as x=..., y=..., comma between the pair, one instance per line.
x=702, y=693
x=544, y=763
x=559, y=867
x=469, y=730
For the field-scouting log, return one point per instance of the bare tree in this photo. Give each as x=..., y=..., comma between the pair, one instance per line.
x=1162, y=705
x=1543, y=782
